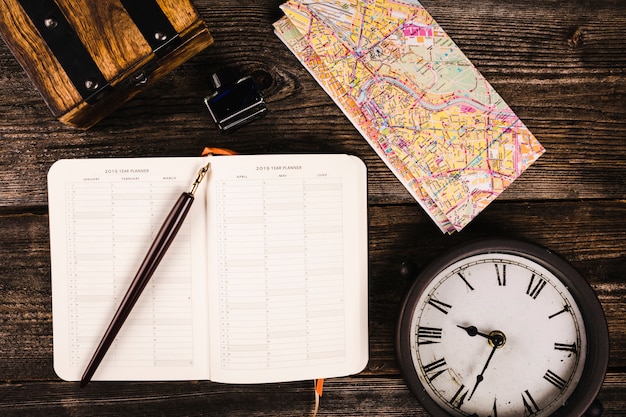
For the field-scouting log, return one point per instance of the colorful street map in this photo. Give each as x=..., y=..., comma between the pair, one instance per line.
x=416, y=98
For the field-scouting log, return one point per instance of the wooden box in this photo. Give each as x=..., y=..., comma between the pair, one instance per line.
x=87, y=57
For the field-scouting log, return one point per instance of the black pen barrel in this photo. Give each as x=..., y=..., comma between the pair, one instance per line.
x=159, y=247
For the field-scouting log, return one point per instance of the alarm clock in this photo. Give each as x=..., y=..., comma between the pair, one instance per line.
x=501, y=327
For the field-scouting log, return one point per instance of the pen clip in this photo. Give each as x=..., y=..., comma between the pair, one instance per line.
x=201, y=174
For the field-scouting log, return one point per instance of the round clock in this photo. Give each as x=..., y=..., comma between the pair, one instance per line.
x=500, y=327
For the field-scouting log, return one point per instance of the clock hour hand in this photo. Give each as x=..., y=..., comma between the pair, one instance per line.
x=473, y=331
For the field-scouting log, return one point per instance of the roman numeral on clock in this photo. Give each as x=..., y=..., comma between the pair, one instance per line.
x=439, y=305
x=459, y=397
x=568, y=347
x=501, y=275
x=533, y=291
x=564, y=310
x=529, y=402
x=495, y=408
x=555, y=380
x=428, y=335
x=469, y=286
x=435, y=368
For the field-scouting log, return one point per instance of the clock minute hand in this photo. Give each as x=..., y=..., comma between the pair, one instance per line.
x=480, y=377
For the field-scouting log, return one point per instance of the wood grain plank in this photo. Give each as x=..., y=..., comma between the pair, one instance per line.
x=351, y=396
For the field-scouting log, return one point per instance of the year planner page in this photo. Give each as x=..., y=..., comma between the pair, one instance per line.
x=104, y=214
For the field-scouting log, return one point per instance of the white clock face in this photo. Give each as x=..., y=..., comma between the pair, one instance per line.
x=497, y=335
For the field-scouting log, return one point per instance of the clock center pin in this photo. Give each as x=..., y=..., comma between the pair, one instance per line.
x=497, y=339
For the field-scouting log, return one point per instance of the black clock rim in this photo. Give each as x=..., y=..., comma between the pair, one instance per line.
x=596, y=362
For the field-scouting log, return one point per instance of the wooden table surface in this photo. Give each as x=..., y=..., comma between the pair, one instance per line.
x=561, y=65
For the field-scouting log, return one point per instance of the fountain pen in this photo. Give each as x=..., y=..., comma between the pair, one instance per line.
x=161, y=243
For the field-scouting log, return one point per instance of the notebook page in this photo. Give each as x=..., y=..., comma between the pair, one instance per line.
x=288, y=267
x=104, y=214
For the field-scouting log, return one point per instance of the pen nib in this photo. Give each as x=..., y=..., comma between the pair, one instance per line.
x=201, y=174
